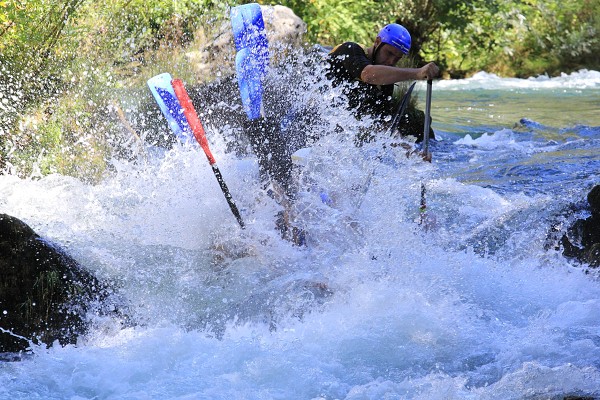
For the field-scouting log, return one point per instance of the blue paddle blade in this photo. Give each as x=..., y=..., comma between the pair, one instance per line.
x=252, y=59
x=250, y=83
x=160, y=86
x=248, y=27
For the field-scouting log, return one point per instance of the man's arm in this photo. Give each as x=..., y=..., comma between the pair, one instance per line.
x=387, y=75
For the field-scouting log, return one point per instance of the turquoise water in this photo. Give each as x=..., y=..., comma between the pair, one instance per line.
x=375, y=307
x=529, y=135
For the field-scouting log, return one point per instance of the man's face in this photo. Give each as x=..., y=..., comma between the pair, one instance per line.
x=387, y=54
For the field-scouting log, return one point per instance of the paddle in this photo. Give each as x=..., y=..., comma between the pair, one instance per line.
x=252, y=58
x=160, y=86
x=251, y=62
x=401, y=110
x=176, y=106
x=426, y=153
x=427, y=127
x=200, y=135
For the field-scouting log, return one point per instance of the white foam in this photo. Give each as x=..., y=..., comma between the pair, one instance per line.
x=582, y=79
x=374, y=307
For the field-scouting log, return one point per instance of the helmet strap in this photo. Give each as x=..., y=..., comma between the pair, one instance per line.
x=375, y=51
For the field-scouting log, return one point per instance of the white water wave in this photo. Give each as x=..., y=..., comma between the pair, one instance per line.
x=231, y=314
x=582, y=79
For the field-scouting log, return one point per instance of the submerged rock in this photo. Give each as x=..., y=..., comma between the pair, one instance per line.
x=582, y=239
x=44, y=293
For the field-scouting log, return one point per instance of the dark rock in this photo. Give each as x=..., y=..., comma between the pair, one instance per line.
x=44, y=293
x=579, y=397
x=582, y=239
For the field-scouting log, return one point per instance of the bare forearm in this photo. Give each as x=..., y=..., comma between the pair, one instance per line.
x=386, y=75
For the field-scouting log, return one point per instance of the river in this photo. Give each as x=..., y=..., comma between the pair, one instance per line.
x=478, y=306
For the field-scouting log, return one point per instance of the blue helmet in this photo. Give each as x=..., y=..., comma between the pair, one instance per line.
x=396, y=35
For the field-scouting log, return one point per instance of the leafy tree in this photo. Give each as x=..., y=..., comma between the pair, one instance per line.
x=561, y=37
x=55, y=53
x=520, y=38
x=511, y=37
x=61, y=61
x=330, y=22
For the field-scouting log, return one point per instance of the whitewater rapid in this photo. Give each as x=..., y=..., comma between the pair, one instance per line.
x=374, y=307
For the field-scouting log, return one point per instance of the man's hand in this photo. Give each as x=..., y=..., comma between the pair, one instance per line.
x=428, y=71
x=426, y=156
x=410, y=151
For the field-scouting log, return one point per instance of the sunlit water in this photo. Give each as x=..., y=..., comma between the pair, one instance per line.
x=374, y=307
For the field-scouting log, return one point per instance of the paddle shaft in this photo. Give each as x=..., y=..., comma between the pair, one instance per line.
x=426, y=128
x=200, y=135
x=227, y=195
x=401, y=109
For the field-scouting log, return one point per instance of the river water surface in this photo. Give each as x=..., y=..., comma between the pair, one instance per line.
x=479, y=306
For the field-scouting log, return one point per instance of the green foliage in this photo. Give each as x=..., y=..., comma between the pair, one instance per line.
x=68, y=137
x=331, y=22
x=121, y=30
x=514, y=38
x=510, y=37
x=32, y=28
x=561, y=36
x=473, y=34
x=70, y=57
x=30, y=32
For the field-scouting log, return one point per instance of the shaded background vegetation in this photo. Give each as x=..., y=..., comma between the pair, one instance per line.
x=512, y=38
x=68, y=68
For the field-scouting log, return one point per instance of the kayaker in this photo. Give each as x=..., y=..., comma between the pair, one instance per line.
x=374, y=69
x=368, y=75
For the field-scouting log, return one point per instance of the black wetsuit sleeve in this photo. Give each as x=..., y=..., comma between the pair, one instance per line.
x=348, y=61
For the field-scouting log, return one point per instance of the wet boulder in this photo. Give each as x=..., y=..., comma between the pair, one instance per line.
x=582, y=239
x=44, y=293
x=214, y=50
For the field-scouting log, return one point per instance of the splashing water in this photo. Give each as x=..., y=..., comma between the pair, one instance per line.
x=374, y=306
